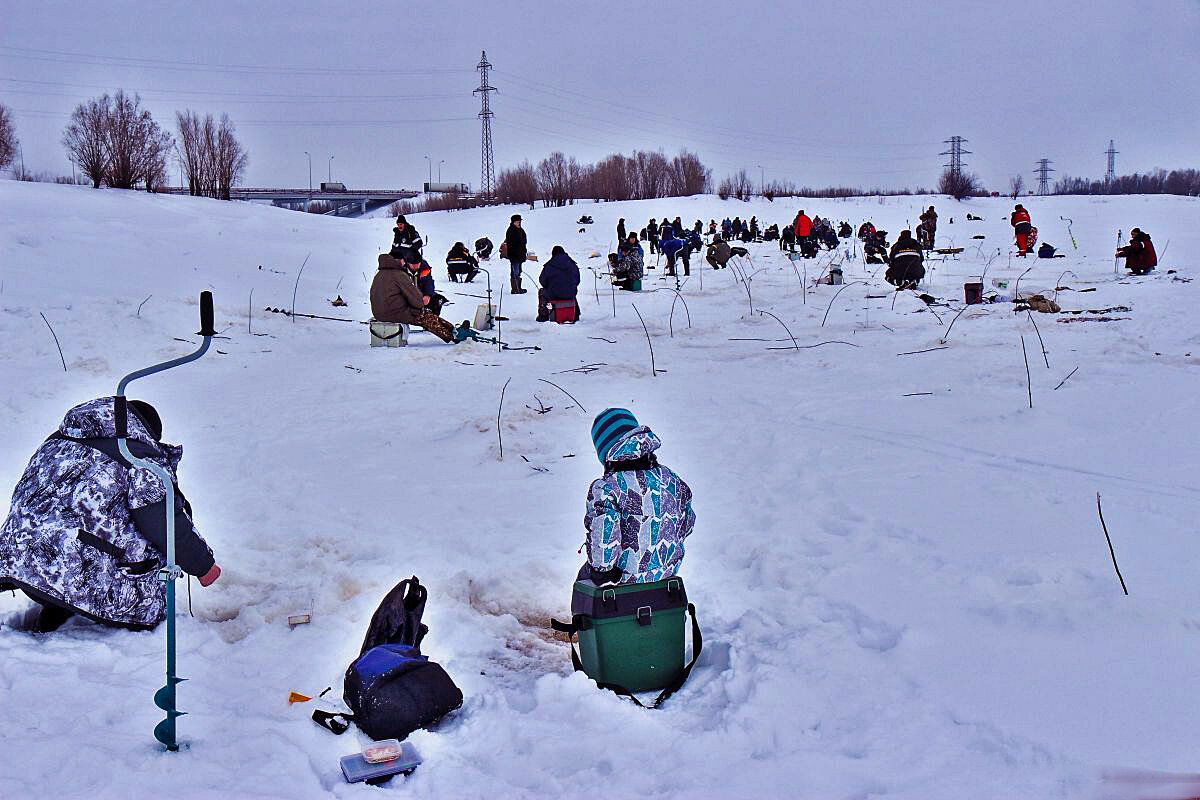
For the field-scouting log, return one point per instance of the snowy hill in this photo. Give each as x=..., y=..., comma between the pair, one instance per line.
x=898, y=565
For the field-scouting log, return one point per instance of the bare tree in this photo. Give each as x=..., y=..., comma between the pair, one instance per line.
x=84, y=139
x=136, y=147
x=210, y=153
x=8, y=138
x=738, y=186
x=553, y=180
x=959, y=184
x=231, y=158
x=1016, y=185
x=688, y=175
x=517, y=185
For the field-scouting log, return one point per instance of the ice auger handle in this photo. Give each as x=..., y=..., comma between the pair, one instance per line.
x=121, y=412
x=206, y=315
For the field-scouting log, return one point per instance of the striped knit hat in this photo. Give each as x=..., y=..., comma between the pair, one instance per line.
x=610, y=425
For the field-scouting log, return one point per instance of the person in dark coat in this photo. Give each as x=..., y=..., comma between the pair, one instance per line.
x=621, y=230
x=560, y=281
x=927, y=230
x=1139, y=254
x=787, y=239
x=515, y=251
x=406, y=242
x=652, y=236
x=87, y=531
x=396, y=298
x=906, y=265
x=460, y=264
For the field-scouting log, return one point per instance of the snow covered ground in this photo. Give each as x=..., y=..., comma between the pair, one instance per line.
x=902, y=596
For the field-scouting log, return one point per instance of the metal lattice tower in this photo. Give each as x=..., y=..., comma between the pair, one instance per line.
x=956, y=153
x=1043, y=172
x=487, y=172
x=1111, y=174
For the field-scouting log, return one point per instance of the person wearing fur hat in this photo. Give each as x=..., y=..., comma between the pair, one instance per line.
x=406, y=242
x=515, y=250
x=87, y=531
x=639, y=512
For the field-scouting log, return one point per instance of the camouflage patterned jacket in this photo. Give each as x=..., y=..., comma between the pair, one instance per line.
x=637, y=519
x=87, y=531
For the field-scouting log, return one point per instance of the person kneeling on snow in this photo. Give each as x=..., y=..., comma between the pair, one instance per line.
x=396, y=298
x=87, y=531
x=559, y=283
x=906, y=262
x=639, y=512
x=1139, y=254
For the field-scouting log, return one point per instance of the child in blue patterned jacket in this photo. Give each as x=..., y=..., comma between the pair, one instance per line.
x=639, y=512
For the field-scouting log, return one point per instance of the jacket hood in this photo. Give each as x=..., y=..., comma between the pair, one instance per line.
x=96, y=419
x=638, y=443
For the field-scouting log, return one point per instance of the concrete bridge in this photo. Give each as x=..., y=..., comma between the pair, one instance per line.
x=347, y=202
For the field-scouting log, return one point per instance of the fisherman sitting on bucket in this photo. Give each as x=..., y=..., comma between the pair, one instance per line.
x=639, y=512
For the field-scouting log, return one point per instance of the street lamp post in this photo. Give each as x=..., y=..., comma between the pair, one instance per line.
x=309, y=172
x=430, y=160
x=443, y=161
x=761, y=179
x=330, y=166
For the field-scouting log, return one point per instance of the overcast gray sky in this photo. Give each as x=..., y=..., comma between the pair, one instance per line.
x=859, y=93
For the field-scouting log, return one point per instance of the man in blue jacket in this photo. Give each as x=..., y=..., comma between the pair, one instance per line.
x=671, y=245
x=559, y=282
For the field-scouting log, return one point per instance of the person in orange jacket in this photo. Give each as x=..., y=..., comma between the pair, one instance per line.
x=1022, y=226
x=803, y=228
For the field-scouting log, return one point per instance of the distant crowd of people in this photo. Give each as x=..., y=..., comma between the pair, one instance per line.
x=404, y=289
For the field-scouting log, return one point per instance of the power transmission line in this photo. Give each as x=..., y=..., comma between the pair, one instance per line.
x=1043, y=172
x=487, y=167
x=956, y=153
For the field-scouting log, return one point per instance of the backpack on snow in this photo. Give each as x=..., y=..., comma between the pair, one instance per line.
x=391, y=688
x=1046, y=250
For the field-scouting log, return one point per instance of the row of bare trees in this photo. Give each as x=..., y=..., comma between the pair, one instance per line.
x=211, y=155
x=116, y=142
x=1159, y=181
x=558, y=180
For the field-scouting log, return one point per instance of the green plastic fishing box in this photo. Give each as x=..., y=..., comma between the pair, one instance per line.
x=631, y=636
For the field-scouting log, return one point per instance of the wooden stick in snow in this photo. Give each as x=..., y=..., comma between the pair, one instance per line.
x=653, y=370
x=56, y=344
x=1107, y=538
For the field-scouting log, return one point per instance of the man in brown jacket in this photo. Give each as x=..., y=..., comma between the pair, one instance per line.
x=396, y=298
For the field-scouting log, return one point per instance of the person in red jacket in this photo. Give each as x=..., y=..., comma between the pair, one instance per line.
x=1139, y=254
x=1022, y=226
x=803, y=229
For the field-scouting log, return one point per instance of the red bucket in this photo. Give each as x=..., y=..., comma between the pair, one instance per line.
x=564, y=311
x=973, y=293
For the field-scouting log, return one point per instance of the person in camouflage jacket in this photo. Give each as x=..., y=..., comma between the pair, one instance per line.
x=639, y=512
x=86, y=532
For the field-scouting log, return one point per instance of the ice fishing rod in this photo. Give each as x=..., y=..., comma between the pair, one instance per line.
x=164, y=698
